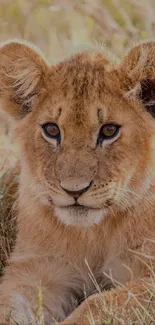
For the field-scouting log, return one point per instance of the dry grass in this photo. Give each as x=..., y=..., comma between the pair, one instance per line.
x=60, y=25
x=7, y=219
x=58, y=28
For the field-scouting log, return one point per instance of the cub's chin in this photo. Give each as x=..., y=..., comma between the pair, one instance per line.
x=79, y=215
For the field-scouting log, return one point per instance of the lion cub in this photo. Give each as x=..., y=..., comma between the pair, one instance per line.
x=86, y=198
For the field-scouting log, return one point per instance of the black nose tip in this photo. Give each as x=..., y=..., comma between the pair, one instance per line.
x=76, y=194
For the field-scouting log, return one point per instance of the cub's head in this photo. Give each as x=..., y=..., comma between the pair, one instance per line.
x=85, y=129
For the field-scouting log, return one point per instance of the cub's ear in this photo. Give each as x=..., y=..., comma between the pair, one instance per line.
x=138, y=74
x=23, y=73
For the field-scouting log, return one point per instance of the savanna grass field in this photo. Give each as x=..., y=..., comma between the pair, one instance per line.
x=59, y=28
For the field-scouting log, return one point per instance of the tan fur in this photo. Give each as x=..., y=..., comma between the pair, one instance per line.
x=59, y=244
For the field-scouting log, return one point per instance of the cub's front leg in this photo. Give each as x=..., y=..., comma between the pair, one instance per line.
x=123, y=303
x=35, y=289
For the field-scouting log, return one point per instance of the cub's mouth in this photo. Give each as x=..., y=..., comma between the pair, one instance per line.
x=78, y=206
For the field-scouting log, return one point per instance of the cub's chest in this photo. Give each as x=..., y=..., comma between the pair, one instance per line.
x=104, y=269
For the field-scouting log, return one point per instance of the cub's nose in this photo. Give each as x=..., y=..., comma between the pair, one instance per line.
x=75, y=189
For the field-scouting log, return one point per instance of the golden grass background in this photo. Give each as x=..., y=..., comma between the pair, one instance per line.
x=57, y=26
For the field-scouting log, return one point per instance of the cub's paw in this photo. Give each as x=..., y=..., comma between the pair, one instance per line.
x=89, y=312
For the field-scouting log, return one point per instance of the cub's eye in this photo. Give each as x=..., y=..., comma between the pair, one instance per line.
x=52, y=131
x=108, y=131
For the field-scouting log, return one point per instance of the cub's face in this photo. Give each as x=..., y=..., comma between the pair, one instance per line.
x=85, y=145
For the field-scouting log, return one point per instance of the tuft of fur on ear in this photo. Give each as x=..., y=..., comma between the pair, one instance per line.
x=22, y=74
x=138, y=74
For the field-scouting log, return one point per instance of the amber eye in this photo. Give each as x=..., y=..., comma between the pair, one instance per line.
x=108, y=131
x=52, y=130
